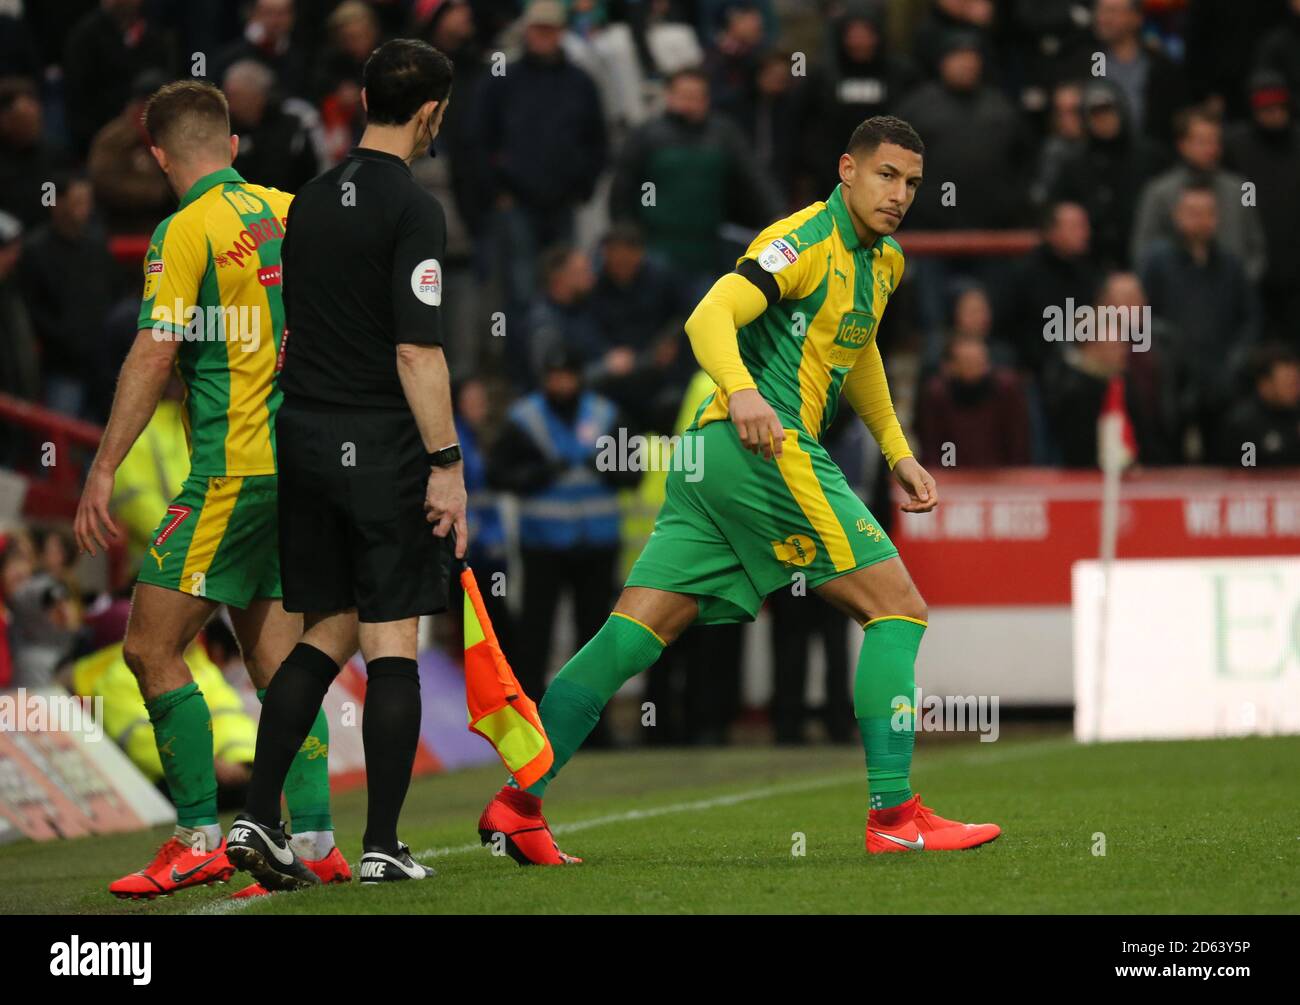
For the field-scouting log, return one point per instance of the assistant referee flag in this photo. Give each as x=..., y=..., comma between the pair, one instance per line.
x=499, y=710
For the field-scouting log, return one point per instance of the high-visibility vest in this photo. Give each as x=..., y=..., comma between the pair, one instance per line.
x=578, y=509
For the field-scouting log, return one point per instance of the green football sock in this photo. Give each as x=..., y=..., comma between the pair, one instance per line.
x=307, y=786
x=572, y=704
x=182, y=729
x=886, y=679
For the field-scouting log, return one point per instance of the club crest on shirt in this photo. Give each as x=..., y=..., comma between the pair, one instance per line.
x=776, y=256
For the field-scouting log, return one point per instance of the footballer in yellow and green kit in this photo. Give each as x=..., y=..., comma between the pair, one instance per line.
x=792, y=329
x=748, y=525
x=213, y=283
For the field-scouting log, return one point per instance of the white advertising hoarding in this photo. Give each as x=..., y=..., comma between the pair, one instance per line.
x=1185, y=648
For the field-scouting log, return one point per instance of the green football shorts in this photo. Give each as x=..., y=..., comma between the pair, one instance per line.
x=747, y=526
x=219, y=539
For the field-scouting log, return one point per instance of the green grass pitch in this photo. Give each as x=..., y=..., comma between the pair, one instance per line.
x=1206, y=826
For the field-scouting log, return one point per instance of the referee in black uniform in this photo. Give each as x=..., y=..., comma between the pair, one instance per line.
x=367, y=459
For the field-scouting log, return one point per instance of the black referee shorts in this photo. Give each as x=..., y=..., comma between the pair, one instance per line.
x=352, y=526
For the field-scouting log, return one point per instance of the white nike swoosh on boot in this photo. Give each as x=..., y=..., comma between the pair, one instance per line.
x=917, y=845
x=282, y=855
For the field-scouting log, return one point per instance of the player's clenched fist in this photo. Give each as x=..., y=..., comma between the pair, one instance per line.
x=759, y=428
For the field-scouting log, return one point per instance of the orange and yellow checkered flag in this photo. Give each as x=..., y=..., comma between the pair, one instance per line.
x=499, y=711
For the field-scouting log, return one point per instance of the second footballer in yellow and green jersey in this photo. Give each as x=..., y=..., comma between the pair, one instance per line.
x=212, y=283
x=213, y=316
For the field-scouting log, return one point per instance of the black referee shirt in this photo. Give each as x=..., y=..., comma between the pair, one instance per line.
x=362, y=260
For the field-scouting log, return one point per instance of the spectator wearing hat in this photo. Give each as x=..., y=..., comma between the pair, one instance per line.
x=860, y=77
x=1065, y=139
x=969, y=18
x=1264, y=426
x=1266, y=149
x=1200, y=156
x=547, y=453
x=973, y=138
x=541, y=136
x=130, y=189
x=1106, y=176
x=1220, y=39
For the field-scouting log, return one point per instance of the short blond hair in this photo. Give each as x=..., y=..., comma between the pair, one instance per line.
x=188, y=116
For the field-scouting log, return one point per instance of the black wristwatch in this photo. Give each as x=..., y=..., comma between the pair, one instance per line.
x=445, y=457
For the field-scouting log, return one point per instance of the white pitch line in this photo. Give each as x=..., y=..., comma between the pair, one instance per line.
x=1015, y=752
x=659, y=811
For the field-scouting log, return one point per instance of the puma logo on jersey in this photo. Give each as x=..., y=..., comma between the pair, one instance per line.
x=158, y=558
x=842, y=276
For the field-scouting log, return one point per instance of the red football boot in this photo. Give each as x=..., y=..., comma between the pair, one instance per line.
x=913, y=826
x=517, y=816
x=177, y=866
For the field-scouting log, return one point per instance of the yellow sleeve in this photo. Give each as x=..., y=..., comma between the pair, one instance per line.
x=868, y=392
x=173, y=269
x=732, y=303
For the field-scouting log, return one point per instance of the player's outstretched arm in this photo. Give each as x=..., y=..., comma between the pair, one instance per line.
x=140, y=387
x=732, y=303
